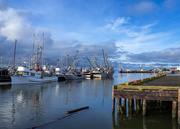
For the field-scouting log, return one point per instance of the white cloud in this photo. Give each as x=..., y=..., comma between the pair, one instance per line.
x=142, y=8
x=170, y=4
x=116, y=23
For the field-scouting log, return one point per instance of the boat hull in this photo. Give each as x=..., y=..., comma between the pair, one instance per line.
x=71, y=77
x=28, y=80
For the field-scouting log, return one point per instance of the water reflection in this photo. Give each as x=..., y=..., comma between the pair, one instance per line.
x=24, y=106
x=156, y=118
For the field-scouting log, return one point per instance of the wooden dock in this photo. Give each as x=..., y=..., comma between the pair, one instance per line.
x=159, y=88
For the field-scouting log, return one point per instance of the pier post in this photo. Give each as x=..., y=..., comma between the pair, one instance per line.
x=130, y=106
x=144, y=107
x=113, y=100
x=174, y=108
x=124, y=103
x=179, y=106
x=119, y=107
x=137, y=105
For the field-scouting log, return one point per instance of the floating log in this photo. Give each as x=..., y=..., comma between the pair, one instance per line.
x=68, y=112
x=76, y=110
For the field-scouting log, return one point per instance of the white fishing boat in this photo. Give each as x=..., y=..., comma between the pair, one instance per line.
x=74, y=75
x=25, y=75
x=60, y=73
x=99, y=73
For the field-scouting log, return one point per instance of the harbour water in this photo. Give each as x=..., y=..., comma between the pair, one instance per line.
x=26, y=106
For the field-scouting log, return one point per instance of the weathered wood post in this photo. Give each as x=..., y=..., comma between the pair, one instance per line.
x=137, y=105
x=130, y=106
x=174, y=109
x=179, y=106
x=113, y=100
x=144, y=107
x=119, y=107
x=124, y=103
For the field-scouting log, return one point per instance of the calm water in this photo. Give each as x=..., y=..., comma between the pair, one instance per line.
x=26, y=106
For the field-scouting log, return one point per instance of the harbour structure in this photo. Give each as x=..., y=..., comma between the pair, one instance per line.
x=159, y=88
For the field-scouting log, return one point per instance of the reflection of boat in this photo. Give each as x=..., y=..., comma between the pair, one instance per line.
x=5, y=78
x=74, y=75
x=24, y=75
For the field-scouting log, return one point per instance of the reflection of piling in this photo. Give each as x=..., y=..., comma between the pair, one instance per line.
x=144, y=123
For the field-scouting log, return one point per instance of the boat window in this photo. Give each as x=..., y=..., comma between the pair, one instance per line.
x=26, y=73
x=20, y=72
x=32, y=74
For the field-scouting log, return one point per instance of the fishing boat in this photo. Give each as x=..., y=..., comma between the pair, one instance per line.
x=100, y=71
x=74, y=75
x=60, y=73
x=103, y=72
x=87, y=73
x=25, y=75
x=5, y=78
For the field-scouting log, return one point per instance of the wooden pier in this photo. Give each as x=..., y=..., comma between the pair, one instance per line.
x=159, y=88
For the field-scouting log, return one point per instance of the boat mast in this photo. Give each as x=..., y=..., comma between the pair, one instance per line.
x=33, y=59
x=107, y=60
x=96, y=61
x=90, y=62
x=14, y=56
x=104, y=58
x=67, y=59
x=43, y=49
x=74, y=58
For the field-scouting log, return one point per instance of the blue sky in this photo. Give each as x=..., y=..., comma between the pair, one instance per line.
x=137, y=31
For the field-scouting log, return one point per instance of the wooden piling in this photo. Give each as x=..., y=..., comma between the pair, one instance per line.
x=130, y=106
x=144, y=107
x=174, y=109
x=179, y=106
x=119, y=107
x=137, y=105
